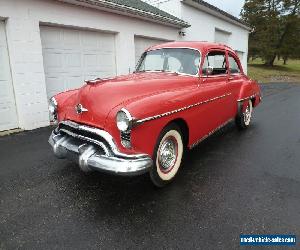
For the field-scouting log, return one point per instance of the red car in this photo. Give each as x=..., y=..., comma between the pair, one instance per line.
x=180, y=93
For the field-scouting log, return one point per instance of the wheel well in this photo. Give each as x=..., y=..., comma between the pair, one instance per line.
x=183, y=127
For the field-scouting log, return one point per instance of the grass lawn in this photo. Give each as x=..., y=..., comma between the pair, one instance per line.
x=277, y=73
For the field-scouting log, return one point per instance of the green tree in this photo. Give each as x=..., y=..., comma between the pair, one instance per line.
x=275, y=26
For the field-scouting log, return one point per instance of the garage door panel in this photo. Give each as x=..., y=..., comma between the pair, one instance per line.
x=92, y=76
x=90, y=41
x=73, y=60
x=53, y=61
x=8, y=112
x=222, y=36
x=74, y=81
x=107, y=62
x=55, y=85
x=75, y=55
x=5, y=90
x=71, y=39
x=4, y=69
x=51, y=37
x=91, y=60
x=107, y=44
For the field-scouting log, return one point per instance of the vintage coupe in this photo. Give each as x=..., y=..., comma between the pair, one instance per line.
x=180, y=93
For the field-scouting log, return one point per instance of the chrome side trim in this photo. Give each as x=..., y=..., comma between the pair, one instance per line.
x=246, y=98
x=105, y=135
x=181, y=109
x=210, y=133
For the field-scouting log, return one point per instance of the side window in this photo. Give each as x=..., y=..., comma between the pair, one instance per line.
x=233, y=65
x=217, y=61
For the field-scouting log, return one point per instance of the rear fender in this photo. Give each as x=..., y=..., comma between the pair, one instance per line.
x=249, y=91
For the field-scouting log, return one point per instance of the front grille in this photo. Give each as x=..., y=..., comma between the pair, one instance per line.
x=125, y=139
x=83, y=135
x=125, y=136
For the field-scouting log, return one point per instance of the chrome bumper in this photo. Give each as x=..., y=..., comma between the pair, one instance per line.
x=90, y=156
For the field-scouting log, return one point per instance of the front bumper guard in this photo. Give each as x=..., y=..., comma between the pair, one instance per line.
x=90, y=158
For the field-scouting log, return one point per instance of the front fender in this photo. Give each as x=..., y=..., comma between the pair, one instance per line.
x=144, y=136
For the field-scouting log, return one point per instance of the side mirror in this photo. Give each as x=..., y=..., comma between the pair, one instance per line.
x=209, y=70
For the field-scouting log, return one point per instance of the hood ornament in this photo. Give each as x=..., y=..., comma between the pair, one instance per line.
x=80, y=109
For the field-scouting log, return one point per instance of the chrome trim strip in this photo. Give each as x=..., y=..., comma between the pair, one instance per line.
x=246, y=98
x=54, y=101
x=181, y=109
x=105, y=135
x=210, y=133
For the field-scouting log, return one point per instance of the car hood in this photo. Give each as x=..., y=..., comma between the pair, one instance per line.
x=101, y=96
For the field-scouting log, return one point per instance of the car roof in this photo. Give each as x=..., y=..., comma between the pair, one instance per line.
x=199, y=45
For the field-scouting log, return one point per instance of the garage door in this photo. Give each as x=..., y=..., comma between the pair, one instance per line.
x=222, y=36
x=72, y=56
x=240, y=55
x=8, y=113
x=142, y=43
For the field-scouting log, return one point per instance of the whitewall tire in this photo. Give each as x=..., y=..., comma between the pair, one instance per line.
x=167, y=156
x=243, y=119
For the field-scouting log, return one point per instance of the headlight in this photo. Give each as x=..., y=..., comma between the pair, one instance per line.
x=124, y=120
x=53, y=109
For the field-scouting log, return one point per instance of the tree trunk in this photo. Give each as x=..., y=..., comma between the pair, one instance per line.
x=270, y=62
x=285, y=60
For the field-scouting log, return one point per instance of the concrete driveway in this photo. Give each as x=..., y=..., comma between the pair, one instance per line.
x=234, y=182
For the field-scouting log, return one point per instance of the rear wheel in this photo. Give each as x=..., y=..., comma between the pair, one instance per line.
x=167, y=156
x=244, y=118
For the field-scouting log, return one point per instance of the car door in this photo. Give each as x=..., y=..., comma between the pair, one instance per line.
x=215, y=87
x=235, y=80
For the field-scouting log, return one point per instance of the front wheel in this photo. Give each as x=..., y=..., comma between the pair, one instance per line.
x=167, y=156
x=244, y=118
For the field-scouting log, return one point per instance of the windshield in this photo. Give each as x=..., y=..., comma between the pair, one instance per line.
x=179, y=60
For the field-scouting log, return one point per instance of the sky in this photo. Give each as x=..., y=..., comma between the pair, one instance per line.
x=233, y=7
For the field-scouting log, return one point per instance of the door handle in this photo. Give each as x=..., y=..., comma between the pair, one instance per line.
x=230, y=78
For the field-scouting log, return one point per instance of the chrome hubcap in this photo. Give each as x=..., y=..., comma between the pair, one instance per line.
x=168, y=154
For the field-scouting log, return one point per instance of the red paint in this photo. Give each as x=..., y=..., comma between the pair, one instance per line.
x=149, y=94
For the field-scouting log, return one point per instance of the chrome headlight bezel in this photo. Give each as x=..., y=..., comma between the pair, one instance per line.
x=124, y=120
x=53, y=109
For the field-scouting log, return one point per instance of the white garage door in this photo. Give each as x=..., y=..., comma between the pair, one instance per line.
x=222, y=36
x=72, y=56
x=240, y=55
x=8, y=113
x=142, y=43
